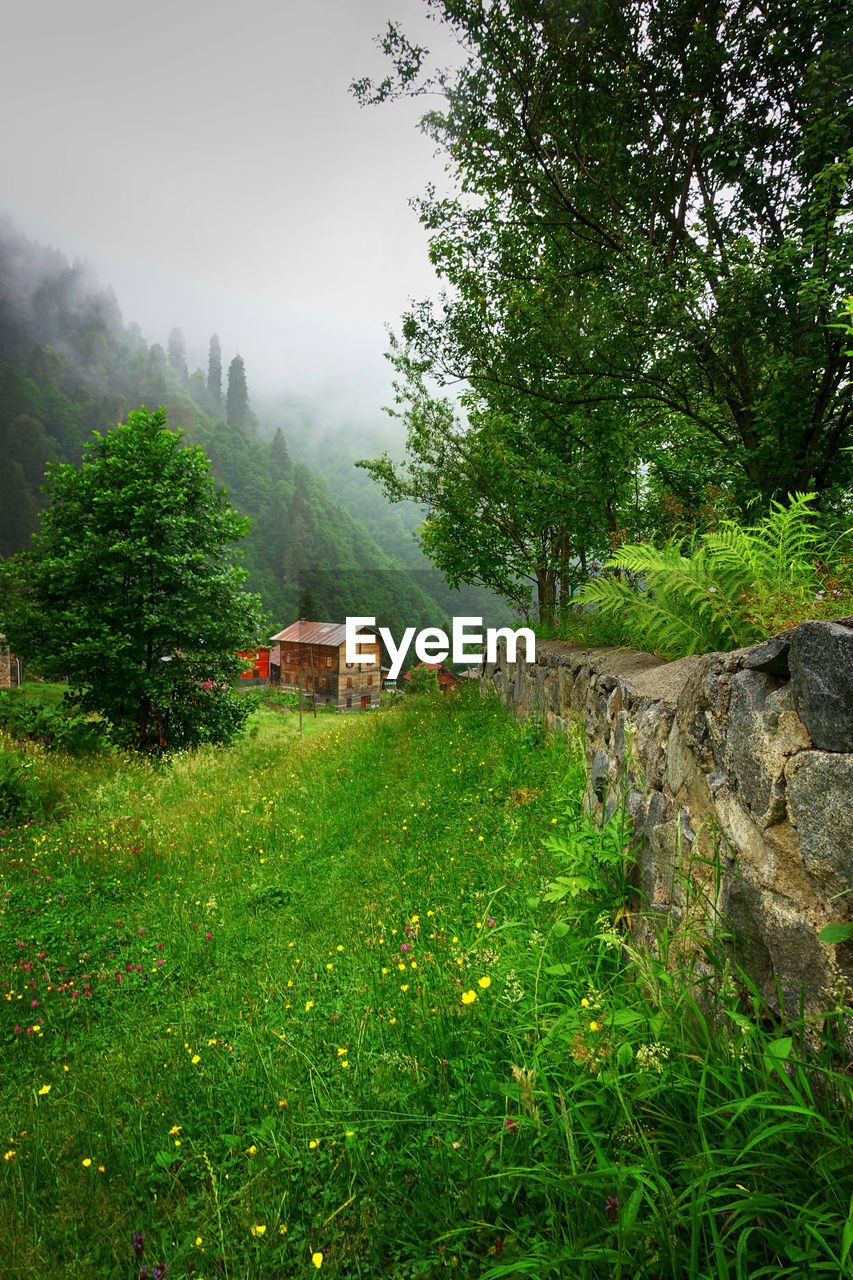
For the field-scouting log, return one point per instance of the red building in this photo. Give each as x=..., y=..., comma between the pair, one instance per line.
x=258, y=664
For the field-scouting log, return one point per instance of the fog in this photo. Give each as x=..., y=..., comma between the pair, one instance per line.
x=213, y=168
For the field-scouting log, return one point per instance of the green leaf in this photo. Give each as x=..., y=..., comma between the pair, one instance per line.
x=625, y=1018
x=836, y=933
x=777, y=1052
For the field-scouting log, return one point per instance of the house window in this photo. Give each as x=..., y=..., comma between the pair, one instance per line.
x=349, y=702
x=370, y=679
x=349, y=682
x=328, y=662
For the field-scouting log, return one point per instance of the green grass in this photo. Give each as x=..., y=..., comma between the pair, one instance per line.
x=326, y=1007
x=49, y=695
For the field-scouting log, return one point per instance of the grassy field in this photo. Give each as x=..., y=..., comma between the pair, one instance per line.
x=312, y=1006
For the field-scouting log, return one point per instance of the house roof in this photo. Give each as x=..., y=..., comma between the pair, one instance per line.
x=331, y=633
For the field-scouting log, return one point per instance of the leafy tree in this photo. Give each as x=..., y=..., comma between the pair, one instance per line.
x=514, y=500
x=421, y=679
x=133, y=593
x=214, y=372
x=652, y=210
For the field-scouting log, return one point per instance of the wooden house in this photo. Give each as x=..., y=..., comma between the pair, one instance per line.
x=312, y=656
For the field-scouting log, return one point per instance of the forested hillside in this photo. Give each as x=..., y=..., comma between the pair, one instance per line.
x=331, y=444
x=70, y=365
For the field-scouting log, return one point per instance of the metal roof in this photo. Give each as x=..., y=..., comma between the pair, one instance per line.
x=331, y=633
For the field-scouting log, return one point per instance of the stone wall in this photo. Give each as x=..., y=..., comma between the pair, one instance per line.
x=737, y=772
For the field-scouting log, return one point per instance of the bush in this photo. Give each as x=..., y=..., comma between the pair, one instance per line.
x=55, y=728
x=738, y=585
x=20, y=800
x=421, y=680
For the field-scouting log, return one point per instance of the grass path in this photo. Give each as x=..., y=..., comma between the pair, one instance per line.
x=301, y=1006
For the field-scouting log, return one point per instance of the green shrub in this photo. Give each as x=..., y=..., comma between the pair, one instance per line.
x=735, y=587
x=421, y=680
x=20, y=800
x=54, y=727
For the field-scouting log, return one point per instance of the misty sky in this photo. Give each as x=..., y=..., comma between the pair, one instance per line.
x=210, y=162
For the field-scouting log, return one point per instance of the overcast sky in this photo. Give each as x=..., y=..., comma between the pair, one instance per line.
x=210, y=162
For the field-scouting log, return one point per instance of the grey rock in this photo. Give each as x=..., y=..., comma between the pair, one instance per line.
x=635, y=803
x=770, y=657
x=821, y=661
x=600, y=773
x=820, y=790
x=620, y=742
x=764, y=732
x=746, y=715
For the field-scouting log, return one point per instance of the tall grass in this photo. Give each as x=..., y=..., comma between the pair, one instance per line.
x=336, y=1005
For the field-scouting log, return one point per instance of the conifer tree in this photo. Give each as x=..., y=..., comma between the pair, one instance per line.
x=278, y=450
x=237, y=396
x=178, y=354
x=307, y=605
x=214, y=372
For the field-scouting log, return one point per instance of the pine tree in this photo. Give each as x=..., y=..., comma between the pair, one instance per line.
x=178, y=354
x=278, y=450
x=307, y=605
x=237, y=396
x=214, y=372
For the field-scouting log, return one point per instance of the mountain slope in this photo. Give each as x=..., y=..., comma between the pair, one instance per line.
x=69, y=365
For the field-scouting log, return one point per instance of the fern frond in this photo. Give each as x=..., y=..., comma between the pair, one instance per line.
x=673, y=602
x=780, y=549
